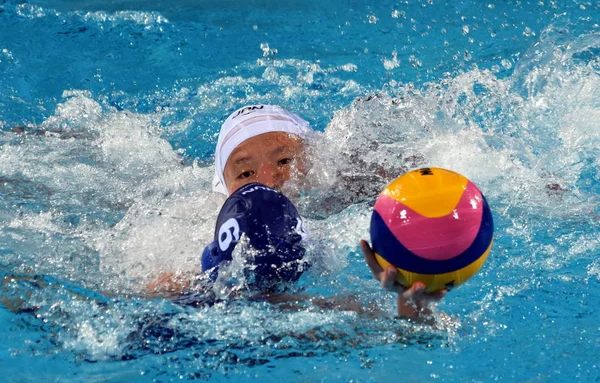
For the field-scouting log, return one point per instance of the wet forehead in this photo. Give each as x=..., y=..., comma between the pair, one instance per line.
x=268, y=144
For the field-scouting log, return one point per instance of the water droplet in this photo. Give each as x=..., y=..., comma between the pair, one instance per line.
x=528, y=32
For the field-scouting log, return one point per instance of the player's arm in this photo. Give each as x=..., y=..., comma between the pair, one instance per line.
x=168, y=284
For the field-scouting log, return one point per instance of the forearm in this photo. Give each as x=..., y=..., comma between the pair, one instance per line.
x=169, y=283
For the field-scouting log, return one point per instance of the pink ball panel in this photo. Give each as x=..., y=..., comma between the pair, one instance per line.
x=439, y=238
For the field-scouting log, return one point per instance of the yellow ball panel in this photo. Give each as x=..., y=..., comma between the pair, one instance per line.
x=435, y=282
x=431, y=192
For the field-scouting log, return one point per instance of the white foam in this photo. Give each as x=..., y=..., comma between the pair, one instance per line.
x=32, y=11
x=160, y=236
x=138, y=17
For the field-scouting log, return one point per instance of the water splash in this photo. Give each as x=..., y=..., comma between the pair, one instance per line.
x=102, y=196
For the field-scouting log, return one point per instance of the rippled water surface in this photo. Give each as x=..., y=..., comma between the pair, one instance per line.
x=109, y=113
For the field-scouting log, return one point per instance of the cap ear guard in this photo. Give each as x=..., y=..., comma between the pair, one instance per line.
x=211, y=258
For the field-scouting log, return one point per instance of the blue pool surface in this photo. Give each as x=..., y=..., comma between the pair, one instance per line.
x=109, y=114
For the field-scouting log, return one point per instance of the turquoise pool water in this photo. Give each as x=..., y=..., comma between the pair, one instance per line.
x=108, y=117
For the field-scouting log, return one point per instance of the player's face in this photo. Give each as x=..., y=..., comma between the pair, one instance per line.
x=270, y=158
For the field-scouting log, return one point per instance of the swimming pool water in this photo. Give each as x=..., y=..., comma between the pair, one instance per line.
x=108, y=117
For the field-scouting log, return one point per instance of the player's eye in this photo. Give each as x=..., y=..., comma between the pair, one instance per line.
x=285, y=161
x=246, y=174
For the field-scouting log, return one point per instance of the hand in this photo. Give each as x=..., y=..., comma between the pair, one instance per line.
x=412, y=302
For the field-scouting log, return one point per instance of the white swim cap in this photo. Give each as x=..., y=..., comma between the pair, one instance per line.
x=251, y=121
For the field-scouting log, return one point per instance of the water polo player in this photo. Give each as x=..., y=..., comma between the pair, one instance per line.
x=266, y=144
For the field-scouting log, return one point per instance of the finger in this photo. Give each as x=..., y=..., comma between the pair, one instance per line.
x=388, y=280
x=415, y=291
x=370, y=259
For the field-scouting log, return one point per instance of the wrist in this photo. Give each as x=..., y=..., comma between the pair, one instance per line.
x=409, y=308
